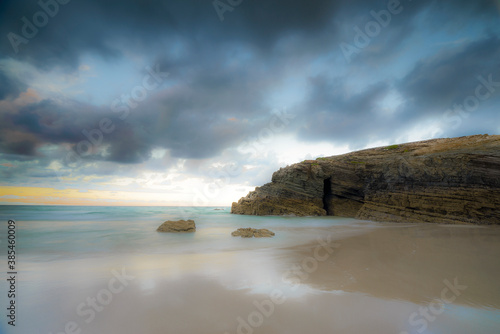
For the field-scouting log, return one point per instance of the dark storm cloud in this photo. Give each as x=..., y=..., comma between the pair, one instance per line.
x=19, y=146
x=332, y=114
x=438, y=82
x=24, y=129
x=217, y=105
x=100, y=26
x=193, y=121
x=214, y=105
x=430, y=89
x=411, y=17
x=460, y=87
x=227, y=69
x=106, y=28
x=198, y=120
x=9, y=87
x=27, y=129
x=128, y=145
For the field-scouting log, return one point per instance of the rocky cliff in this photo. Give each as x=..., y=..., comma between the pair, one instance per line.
x=455, y=180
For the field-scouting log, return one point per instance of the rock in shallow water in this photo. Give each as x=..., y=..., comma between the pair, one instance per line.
x=177, y=226
x=252, y=232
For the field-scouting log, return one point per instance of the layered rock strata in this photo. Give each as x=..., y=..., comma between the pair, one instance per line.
x=451, y=180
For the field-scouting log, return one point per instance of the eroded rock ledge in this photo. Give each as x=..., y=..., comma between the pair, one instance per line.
x=452, y=180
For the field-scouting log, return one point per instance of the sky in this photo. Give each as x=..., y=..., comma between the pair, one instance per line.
x=188, y=102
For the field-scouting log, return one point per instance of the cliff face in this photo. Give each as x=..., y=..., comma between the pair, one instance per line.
x=454, y=180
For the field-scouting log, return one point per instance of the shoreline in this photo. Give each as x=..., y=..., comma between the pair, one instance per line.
x=411, y=262
x=228, y=290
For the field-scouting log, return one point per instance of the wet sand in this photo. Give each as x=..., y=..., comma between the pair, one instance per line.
x=410, y=262
x=375, y=280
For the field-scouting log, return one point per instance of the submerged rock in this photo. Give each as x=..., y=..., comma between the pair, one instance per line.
x=451, y=180
x=177, y=226
x=252, y=232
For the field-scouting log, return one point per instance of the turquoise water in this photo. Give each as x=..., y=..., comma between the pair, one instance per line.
x=59, y=247
x=76, y=231
x=206, y=282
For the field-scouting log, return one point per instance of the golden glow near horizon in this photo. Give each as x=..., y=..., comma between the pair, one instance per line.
x=52, y=196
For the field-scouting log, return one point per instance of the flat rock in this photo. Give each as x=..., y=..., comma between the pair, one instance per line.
x=177, y=226
x=252, y=232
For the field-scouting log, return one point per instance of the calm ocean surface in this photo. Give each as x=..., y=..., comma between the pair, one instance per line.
x=57, y=231
x=209, y=282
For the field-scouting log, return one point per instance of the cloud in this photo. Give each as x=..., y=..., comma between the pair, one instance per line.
x=180, y=120
x=333, y=113
x=116, y=29
x=227, y=78
x=441, y=86
x=10, y=87
x=448, y=77
x=149, y=22
x=11, y=197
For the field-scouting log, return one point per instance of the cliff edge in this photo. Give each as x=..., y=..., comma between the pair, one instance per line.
x=449, y=180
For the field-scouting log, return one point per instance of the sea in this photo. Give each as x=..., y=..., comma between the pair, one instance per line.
x=100, y=270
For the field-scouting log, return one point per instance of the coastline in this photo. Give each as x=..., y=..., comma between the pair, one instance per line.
x=226, y=289
x=441, y=181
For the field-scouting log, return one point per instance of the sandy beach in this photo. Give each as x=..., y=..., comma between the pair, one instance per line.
x=410, y=262
x=377, y=278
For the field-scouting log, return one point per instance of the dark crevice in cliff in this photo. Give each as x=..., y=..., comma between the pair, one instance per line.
x=327, y=194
